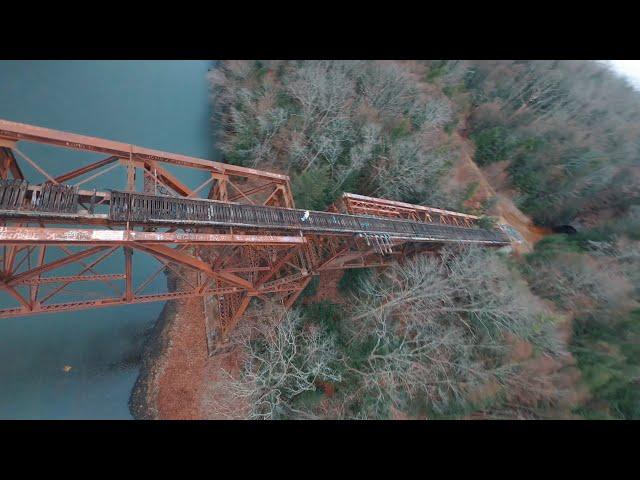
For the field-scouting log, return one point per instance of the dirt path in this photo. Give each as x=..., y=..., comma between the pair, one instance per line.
x=493, y=182
x=179, y=386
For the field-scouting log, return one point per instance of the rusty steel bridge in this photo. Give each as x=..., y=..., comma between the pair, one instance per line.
x=237, y=233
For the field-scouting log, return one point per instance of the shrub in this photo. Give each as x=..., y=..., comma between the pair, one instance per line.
x=311, y=189
x=436, y=69
x=311, y=289
x=608, y=360
x=450, y=127
x=493, y=145
x=487, y=222
x=352, y=278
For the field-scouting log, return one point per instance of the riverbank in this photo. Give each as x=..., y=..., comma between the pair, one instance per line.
x=178, y=380
x=143, y=403
x=173, y=355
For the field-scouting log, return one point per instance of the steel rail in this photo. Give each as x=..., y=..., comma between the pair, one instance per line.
x=142, y=209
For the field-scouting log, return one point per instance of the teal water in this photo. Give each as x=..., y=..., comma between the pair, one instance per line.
x=157, y=104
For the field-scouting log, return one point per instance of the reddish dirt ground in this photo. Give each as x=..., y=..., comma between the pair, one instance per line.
x=328, y=288
x=180, y=380
x=190, y=384
x=216, y=401
x=492, y=181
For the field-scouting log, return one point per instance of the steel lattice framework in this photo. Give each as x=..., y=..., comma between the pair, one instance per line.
x=233, y=237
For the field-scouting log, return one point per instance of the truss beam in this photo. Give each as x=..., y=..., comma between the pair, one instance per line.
x=220, y=260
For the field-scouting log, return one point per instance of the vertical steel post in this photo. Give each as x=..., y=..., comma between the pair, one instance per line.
x=128, y=264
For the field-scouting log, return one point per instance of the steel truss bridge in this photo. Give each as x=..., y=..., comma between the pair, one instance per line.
x=234, y=237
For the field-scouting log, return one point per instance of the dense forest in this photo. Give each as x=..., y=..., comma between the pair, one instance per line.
x=336, y=126
x=570, y=131
x=553, y=333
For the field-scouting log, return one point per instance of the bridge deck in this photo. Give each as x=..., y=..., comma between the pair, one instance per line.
x=63, y=205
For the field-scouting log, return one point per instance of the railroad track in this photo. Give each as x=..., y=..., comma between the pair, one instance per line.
x=18, y=199
x=152, y=209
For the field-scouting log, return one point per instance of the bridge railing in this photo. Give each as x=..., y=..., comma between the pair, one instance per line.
x=17, y=194
x=151, y=209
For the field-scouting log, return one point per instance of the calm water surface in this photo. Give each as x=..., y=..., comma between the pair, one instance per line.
x=158, y=104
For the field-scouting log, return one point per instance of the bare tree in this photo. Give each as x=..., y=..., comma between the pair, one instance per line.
x=325, y=91
x=388, y=88
x=409, y=171
x=437, y=330
x=583, y=284
x=282, y=362
x=306, y=115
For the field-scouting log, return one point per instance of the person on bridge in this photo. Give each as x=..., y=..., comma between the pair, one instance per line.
x=305, y=216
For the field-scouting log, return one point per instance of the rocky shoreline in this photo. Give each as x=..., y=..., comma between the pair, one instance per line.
x=143, y=402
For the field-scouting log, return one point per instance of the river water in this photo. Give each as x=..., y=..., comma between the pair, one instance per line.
x=157, y=104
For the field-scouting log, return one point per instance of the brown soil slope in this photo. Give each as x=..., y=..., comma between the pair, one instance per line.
x=492, y=183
